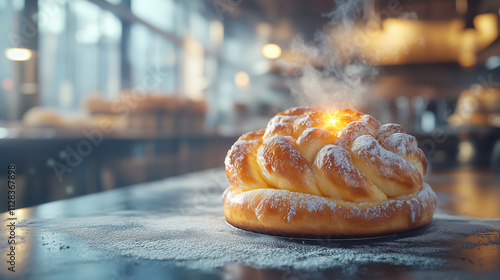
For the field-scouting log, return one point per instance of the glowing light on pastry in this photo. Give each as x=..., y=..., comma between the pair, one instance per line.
x=318, y=172
x=18, y=54
x=336, y=120
x=271, y=51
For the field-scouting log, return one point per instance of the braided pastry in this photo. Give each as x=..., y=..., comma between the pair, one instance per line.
x=320, y=173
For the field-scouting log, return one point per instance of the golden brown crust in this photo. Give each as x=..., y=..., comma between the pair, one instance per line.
x=312, y=140
x=296, y=111
x=277, y=156
x=339, y=178
x=243, y=165
x=282, y=212
x=280, y=125
x=352, y=131
x=387, y=130
x=392, y=174
x=371, y=120
x=253, y=135
x=405, y=146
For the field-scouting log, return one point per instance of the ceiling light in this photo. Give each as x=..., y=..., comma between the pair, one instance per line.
x=18, y=54
x=271, y=51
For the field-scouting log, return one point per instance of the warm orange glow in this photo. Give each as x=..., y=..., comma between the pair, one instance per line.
x=473, y=201
x=402, y=41
x=335, y=121
x=486, y=26
x=467, y=56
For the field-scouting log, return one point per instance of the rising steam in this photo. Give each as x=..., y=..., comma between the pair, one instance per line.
x=332, y=70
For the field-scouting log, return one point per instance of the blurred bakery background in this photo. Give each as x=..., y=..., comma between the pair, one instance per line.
x=101, y=94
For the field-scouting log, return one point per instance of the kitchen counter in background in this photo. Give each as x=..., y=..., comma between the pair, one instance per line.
x=90, y=161
x=174, y=229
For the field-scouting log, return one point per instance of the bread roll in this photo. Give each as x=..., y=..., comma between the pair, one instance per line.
x=317, y=173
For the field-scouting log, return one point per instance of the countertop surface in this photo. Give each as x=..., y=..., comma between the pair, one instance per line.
x=174, y=229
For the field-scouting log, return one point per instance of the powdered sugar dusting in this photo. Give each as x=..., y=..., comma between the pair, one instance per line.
x=237, y=154
x=304, y=121
x=295, y=200
x=404, y=143
x=352, y=131
x=280, y=124
x=341, y=163
x=388, y=129
x=277, y=157
x=371, y=120
x=368, y=147
x=283, y=145
x=312, y=203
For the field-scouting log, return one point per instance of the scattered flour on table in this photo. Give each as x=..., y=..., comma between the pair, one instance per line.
x=206, y=242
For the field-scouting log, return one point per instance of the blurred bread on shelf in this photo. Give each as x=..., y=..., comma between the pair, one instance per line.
x=195, y=107
x=171, y=103
x=109, y=122
x=132, y=111
x=140, y=111
x=477, y=106
x=476, y=119
x=43, y=117
x=95, y=103
x=78, y=121
x=48, y=117
x=139, y=101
